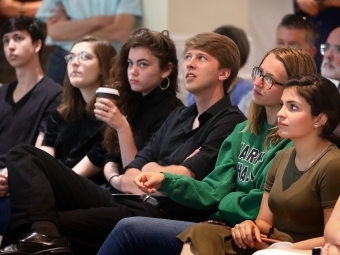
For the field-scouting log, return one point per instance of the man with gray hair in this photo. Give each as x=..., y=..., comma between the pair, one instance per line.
x=330, y=67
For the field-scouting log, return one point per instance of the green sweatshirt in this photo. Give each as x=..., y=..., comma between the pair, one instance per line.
x=235, y=187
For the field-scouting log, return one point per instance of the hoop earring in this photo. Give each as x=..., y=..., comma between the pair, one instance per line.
x=167, y=85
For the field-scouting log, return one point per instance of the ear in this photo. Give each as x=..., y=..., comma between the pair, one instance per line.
x=320, y=120
x=167, y=70
x=37, y=46
x=224, y=74
x=312, y=51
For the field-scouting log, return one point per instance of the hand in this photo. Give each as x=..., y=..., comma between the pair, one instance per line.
x=4, y=183
x=108, y=112
x=59, y=14
x=149, y=182
x=245, y=233
x=310, y=7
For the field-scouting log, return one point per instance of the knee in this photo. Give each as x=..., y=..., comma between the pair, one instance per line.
x=24, y=148
x=18, y=154
x=129, y=225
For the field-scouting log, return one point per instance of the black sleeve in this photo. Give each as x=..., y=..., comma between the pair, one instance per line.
x=150, y=152
x=204, y=162
x=97, y=154
x=50, y=108
x=52, y=129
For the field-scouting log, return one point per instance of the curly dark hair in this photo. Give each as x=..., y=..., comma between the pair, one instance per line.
x=128, y=103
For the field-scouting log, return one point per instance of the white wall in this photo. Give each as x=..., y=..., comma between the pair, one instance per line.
x=264, y=19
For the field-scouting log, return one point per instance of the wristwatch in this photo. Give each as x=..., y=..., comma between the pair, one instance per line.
x=316, y=251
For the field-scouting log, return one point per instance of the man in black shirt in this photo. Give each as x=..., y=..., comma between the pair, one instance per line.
x=187, y=143
x=27, y=102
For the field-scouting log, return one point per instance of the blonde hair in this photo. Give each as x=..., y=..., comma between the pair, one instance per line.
x=296, y=61
x=222, y=48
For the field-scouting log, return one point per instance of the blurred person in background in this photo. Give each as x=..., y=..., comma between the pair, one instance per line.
x=325, y=15
x=110, y=20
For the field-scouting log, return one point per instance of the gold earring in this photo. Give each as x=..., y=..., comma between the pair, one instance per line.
x=167, y=85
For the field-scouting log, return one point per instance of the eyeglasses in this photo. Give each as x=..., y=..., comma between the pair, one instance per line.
x=82, y=56
x=326, y=47
x=267, y=80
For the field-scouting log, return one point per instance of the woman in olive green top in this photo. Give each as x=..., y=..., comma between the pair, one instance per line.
x=301, y=187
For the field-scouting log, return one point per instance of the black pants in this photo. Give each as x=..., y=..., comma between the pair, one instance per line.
x=42, y=189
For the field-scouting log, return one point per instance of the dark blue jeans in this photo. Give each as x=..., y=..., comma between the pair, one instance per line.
x=56, y=65
x=142, y=235
x=4, y=213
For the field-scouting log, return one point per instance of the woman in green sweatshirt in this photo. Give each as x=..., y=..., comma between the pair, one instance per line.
x=234, y=188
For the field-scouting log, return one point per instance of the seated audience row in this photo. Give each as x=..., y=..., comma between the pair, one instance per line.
x=73, y=135
x=64, y=199
x=236, y=202
x=67, y=202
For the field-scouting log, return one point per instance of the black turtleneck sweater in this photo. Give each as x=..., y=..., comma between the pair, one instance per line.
x=154, y=108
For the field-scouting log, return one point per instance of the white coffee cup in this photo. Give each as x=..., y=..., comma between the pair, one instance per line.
x=108, y=93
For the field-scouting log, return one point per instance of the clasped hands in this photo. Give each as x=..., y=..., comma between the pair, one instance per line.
x=150, y=179
x=247, y=234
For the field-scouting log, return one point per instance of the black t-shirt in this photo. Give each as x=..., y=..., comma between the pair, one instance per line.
x=153, y=110
x=22, y=121
x=73, y=140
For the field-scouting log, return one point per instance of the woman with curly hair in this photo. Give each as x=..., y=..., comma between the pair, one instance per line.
x=145, y=73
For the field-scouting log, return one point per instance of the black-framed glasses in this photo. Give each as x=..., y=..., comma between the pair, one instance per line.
x=267, y=80
x=326, y=47
x=82, y=56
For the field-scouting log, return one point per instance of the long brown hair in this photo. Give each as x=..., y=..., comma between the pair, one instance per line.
x=296, y=61
x=73, y=105
x=128, y=103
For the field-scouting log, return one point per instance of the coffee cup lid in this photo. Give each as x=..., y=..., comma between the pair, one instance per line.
x=107, y=90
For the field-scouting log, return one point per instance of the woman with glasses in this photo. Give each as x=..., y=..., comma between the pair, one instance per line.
x=233, y=190
x=73, y=135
